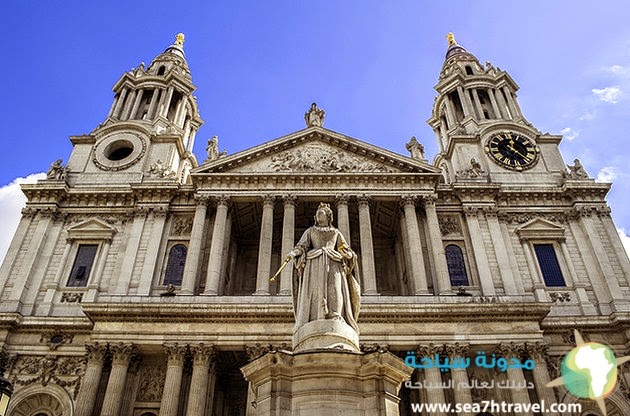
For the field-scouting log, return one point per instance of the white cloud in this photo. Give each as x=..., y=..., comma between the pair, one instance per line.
x=619, y=70
x=608, y=94
x=569, y=133
x=607, y=174
x=625, y=239
x=12, y=200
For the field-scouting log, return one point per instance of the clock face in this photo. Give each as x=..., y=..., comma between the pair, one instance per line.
x=512, y=150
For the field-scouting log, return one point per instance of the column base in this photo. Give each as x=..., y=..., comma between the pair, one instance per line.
x=371, y=293
x=325, y=383
x=261, y=293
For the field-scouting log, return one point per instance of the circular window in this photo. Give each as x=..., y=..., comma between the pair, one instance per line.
x=119, y=150
x=56, y=339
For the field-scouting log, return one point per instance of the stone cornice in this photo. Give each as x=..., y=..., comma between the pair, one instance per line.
x=319, y=182
x=283, y=313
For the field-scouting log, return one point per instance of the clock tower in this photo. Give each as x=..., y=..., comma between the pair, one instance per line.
x=149, y=133
x=481, y=131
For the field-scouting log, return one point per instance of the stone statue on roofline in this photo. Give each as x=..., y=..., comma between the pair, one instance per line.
x=577, y=171
x=314, y=116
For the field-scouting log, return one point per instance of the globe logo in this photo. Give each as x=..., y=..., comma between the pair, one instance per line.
x=589, y=371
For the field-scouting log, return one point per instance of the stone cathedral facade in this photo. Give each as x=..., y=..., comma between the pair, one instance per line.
x=137, y=282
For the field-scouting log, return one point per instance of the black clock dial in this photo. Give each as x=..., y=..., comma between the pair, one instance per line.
x=512, y=150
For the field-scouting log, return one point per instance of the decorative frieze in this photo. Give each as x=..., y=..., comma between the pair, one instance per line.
x=65, y=371
x=450, y=225
x=151, y=383
x=181, y=226
x=560, y=297
x=369, y=348
x=71, y=297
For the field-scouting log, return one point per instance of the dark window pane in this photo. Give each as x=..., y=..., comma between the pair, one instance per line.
x=456, y=265
x=549, y=265
x=175, y=265
x=82, y=265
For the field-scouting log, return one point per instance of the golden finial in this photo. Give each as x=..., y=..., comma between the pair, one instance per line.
x=179, y=39
x=451, y=39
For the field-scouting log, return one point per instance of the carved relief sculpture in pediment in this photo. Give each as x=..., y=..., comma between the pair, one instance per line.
x=314, y=158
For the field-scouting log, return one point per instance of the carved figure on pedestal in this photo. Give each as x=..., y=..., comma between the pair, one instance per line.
x=314, y=116
x=57, y=171
x=324, y=287
x=577, y=171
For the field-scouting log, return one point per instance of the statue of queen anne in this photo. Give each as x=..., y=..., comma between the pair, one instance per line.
x=324, y=286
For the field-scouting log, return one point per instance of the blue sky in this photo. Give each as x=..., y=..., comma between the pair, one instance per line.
x=370, y=64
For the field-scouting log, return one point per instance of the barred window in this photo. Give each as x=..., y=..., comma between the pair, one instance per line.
x=175, y=265
x=456, y=265
x=549, y=266
x=82, y=265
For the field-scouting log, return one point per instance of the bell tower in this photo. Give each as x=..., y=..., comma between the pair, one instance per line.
x=481, y=132
x=150, y=130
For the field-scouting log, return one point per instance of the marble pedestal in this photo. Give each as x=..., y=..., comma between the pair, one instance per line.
x=325, y=382
x=325, y=334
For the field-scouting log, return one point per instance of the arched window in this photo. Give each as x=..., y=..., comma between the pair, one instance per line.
x=456, y=265
x=161, y=70
x=175, y=265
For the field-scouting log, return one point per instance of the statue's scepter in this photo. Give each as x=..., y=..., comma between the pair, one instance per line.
x=286, y=261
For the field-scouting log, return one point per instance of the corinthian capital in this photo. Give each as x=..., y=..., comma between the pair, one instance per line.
x=203, y=354
x=175, y=353
x=122, y=353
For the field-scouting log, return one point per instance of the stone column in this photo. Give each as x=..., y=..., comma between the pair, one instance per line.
x=505, y=268
x=615, y=240
x=288, y=241
x=538, y=352
x=122, y=354
x=203, y=359
x=493, y=101
x=576, y=282
x=18, y=239
x=343, y=219
x=128, y=105
x=119, y=103
x=509, y=351
x=505, y=110
x=479, y=251
x=432, y=375
x=539, y=286
x=91, y=379
x=477, y=102
x=418, y=271
x=511, y=102
x=264, y=246
x=216, y=249
x=367, y=247
x=172, y=383
x=451, y=115
x=465, y=101
x=459, y=375
x=136, y=104
x=166, y=102
x=157, y=93
x=191, y=267
x=437, y=247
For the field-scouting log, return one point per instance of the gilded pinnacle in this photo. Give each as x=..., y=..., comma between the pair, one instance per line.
x=179, y=39
x=451, y=39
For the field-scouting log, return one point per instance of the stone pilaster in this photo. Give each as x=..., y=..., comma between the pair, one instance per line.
x=479, y=250
x=264, y=246
x=418, y=273
x=89, y=384
x=203, y=360
x=437, y=247
x=213, y=276
x=157, y=221
x=432, y=376
x=538, y=353
x=515, y=375
x=189, y=279
x=133, y=243
x=175, y=355
x=288, y=241
x=459, y=375
x=121, y=355
x=503, y=260
x=367, y=247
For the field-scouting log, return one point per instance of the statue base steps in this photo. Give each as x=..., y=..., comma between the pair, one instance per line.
x=325, y=382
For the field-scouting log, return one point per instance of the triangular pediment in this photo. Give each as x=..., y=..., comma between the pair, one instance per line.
x=316, y=150
x=92, y=228
x=540, y=228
